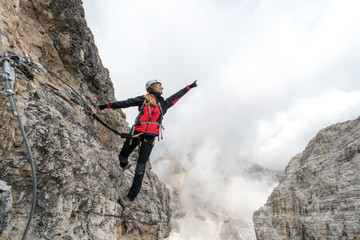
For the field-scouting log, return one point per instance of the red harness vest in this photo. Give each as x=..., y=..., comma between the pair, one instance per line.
x=149, y=120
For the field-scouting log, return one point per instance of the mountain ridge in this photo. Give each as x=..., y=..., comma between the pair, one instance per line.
x=318, y=196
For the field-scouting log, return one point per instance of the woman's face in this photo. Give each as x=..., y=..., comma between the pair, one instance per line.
x=158, y=88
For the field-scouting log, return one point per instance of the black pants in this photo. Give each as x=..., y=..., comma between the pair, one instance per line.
x=147, y=144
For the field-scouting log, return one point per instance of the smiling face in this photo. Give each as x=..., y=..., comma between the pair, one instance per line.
x=158, y=88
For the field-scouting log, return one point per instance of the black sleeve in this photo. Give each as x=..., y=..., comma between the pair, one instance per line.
x=170, y=101
x=131, y=102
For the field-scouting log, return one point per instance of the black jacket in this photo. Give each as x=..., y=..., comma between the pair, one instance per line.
x=138, y=101
x=150, y=117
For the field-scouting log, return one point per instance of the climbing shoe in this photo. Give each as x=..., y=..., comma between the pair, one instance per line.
x=124, y=201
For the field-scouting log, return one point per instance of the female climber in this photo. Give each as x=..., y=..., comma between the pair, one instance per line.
x=152, y=108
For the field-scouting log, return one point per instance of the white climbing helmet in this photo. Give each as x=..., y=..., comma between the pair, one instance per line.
x=151, y=82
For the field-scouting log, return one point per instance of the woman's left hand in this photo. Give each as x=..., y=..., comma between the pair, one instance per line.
x=194, y=84
x=103, y=106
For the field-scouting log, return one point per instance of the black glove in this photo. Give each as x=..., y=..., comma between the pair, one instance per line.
x=103, y=106
x=194, y=84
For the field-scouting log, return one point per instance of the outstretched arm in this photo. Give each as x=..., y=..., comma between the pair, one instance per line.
x=170, y=101
x=138, y=101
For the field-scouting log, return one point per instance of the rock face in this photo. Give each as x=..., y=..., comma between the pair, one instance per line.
x=5, y=205
x=79, y=177
x=319, y=195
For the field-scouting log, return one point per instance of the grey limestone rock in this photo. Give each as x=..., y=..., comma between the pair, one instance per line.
x=5, y=205
x=79, y=176
x=319, y=195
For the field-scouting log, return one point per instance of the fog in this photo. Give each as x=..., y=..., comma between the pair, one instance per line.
x=271, y=74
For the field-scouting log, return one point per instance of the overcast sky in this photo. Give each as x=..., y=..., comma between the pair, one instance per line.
x=271, y=74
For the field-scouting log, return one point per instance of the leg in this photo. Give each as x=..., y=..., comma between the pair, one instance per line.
x=147, y=145
x=127, y=150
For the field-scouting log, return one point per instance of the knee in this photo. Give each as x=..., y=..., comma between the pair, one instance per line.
x=140, y=168
x=123, y=160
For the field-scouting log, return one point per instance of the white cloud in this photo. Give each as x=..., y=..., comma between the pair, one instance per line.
x=289, y=131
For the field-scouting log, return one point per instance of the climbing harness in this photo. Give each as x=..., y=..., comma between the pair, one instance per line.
x=9, y=61
x=137, y=120
x=137, y=135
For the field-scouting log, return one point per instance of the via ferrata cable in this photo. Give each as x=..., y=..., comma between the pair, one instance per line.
x=8, y=76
